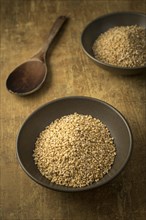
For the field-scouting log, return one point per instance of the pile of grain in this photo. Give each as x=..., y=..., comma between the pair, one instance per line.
x=123, y=46
x=75, y=150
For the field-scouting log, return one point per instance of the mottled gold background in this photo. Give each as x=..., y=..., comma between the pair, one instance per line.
x=24, y=26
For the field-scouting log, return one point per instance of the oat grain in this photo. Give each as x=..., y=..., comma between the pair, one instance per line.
x=123, y=46
x=75, y=150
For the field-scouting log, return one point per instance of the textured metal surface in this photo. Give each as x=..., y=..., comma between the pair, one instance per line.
x=24, y=25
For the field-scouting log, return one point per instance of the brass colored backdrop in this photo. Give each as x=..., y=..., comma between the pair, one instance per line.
x=24, y=25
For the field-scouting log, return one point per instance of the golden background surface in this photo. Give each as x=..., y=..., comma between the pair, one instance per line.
x=24, y=26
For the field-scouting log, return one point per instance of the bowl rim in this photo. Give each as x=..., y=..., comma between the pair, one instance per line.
x=57, y=187
x=98, y=61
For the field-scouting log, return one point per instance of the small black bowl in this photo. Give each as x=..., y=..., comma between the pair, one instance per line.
x=44, y=115
x=101, y=25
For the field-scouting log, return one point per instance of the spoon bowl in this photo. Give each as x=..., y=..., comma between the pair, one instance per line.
x=27, y=78
x=30, y=75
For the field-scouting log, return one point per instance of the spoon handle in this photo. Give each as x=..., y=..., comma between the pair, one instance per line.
x=52, y=34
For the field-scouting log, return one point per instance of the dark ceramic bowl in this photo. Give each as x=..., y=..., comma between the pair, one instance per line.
x=44, y=115
x=101, y=25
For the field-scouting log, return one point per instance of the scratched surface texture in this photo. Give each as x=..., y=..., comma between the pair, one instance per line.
x=24, y=25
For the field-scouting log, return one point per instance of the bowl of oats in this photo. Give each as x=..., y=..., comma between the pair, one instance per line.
x=74, y=144
x=117, y=42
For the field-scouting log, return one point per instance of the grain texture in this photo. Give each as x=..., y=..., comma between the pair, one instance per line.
x=24, y=25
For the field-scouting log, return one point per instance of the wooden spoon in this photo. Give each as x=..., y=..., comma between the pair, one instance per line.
x=30, y=75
